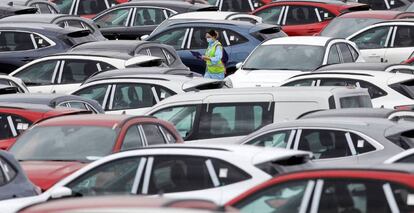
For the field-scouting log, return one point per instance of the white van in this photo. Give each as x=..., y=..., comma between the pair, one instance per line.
x=212, y=114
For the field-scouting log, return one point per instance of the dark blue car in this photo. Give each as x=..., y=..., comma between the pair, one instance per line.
x=239, y=38
x=24, y=42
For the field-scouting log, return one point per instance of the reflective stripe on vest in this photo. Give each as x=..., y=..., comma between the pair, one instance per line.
x=214, y=68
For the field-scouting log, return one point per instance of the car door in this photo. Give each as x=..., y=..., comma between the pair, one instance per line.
x=327, y=145
x=40, y=77
x=373, y=43
x=114, y=23
x=402, y=44
x=145, y=20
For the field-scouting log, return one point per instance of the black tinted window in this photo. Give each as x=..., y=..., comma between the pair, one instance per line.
x=361, y=145
x=15, y=41
x=153, y=134
x=346, y=53
x=11, y=126
x=77, y=71
x=235, y=38
x=236, y=5
x=91, y=7
x=157, y=51
x=133, y=96
x=404, y=36
x=132, y=139
x=228, y=174
x=301, y=15
x=333, y=57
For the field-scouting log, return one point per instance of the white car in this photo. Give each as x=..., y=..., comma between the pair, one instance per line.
x=389, y=90
x=64, y=72
x=135, y=90
x=278, y=59
x=389, y=41
x=210, y=172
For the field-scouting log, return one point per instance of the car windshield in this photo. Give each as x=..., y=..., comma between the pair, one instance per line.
x=63, y=5
x=344, y=27
x=362, y=101
x=65, y=143
x=411, y=8
x=285, y=57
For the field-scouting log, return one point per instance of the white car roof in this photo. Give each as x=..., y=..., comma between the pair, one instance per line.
x=300, y=40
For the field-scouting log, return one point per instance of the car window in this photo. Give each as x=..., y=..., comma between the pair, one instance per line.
x=346, y=53
x=15, y=41
x=402, y=196
x=38, y=74
x=64, y=5
x=42, y=8
x=301, y=15
x=40, y=42
x=301, y=83
x=77, y=71
x=181, y=116
x=277, y=139
x=324, y=143
x=284, y=197
x=73, y=23
x=333, y=57
x=234, y=38
x=115, y=177
x=361, y=145
x=163, y=92
x=374, y=38
x=404, y=36
x=90, y=7
x=132, y=139
x=157, y=51
x=133, y=96
x=198, y=40
x=9, y=172
x=148, y=16
x=12, y=125
x=323, y=14
x=354, y=195
x=354, y=52
x=169, y=56
x=144, y=51
x=179, y=174
x=227, y=173
x=374, y=91
x=153, y=134
x=114, y=18
x=95, y=92
x=270, y=15
x=236, y=5
x=223, y=120
x=102, y=66
x=168, y=135
x=173, y=37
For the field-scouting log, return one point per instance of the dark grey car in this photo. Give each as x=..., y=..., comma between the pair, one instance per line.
x=11, y=10
x=43, y=6
x=14, y=182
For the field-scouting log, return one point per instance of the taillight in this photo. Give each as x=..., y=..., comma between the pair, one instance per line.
x=404, y=107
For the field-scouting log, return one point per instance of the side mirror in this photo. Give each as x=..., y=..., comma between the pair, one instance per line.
x=144, y=37
x=238, y=65
x=60, y=192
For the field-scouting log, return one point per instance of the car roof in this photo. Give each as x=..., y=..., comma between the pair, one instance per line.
x=38, y=27
x=26, y=106
x=398, y=21
x=351, y=112
x=299, y=40
x=39, y=98
x=374, y=14
x=41, y=18
x=357, y=66
x=112, y=121
x=99, y=53
x=126, y=46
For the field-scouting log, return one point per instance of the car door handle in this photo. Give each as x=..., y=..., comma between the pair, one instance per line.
x=374, y=56
x=27, y=59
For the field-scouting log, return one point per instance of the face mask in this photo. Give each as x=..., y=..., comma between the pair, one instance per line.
x=209, y=40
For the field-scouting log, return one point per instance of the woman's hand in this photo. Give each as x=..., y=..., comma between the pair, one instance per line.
x=205, y=58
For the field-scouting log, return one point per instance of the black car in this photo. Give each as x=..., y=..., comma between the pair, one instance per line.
x=53, y=101
x=133, y=48
x=11, y=10
x=62, y=20
x=135, y=19
x=43, y=6
x=24, y=42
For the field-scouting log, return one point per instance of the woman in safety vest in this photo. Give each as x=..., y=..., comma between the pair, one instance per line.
x=215, y=68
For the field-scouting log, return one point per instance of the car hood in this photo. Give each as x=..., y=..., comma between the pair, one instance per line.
x=46, y=173
x=261, y=78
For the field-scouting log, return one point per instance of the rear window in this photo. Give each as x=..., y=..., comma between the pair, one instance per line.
x=404, y=88
x=268, y=33
x=360, y=101
x=405, y=140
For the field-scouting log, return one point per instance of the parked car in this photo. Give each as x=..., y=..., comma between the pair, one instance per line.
x=43, y=6
x=356, y=189
x=218, y=15
x=18, y=117
x=74, y=141
x=386, y=67
x=215, y=173
x=238, y=38
x=377, y=46
x=127, y=203
x=86, y=9
x=300, y=18
x=133, y=48
x=24, y=42
x=54, y=101
x=13, y=82
x=350, y=23
x=337, y=140
x=400, y=5
x=389, y=90
x=11, y=10
x=238, y=5
x=14, y=182
x=135, y=90
x=276, y=60
x=223, y=113
x=62, y=20
x=63, y=73
x=135, y=19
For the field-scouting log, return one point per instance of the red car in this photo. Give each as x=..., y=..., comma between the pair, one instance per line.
x=350, y=23
x=17, y=117
x=300, y=18
x=57, y=147
x=410, y=60
x=381, y=189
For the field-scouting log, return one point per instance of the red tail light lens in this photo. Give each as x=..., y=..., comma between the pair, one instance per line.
x=404, y=107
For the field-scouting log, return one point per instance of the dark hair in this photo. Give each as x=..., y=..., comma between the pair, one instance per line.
x=212, y=33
